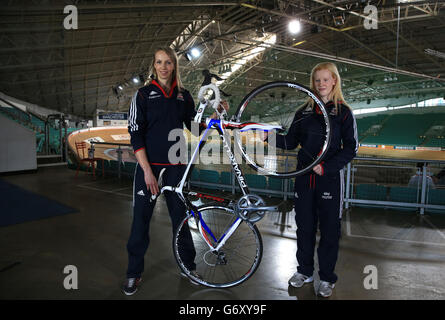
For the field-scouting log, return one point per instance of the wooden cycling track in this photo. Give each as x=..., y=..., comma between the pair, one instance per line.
x=121, y=135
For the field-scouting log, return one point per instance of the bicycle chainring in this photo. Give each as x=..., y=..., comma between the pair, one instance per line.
x=245, y=208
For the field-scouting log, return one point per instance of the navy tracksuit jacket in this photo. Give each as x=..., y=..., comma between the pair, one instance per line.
x=153, y=114
x=318, y=199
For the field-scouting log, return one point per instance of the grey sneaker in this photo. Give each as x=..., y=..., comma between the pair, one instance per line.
x=193, y=273
x=298, y=280
x=131, y=286
x=325, y=289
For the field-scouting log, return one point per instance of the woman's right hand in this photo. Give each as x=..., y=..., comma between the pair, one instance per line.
x=151, y=182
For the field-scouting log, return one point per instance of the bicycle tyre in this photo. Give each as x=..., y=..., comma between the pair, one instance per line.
x=266, y=90
x=234, y=263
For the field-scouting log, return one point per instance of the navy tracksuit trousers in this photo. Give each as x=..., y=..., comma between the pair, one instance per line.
x=318, y=201
x=142, y=212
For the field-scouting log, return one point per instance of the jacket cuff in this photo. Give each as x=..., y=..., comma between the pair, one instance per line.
x=142, y=148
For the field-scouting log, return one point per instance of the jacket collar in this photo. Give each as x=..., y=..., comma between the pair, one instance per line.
x=330, y=107
x=154, y=82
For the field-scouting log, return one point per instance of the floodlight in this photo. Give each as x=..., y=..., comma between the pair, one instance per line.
x=192, y=54
x=294, y=26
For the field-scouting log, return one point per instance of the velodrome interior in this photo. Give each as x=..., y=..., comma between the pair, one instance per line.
x=60, y=84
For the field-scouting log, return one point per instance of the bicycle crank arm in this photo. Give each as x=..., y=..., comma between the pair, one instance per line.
x=253, y=209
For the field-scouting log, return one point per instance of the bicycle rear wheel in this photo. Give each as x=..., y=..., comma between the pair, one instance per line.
x=231, y=265
x=276, y=103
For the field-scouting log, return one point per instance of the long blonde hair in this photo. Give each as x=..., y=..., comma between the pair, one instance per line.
x=176, y=74
x=337, y=94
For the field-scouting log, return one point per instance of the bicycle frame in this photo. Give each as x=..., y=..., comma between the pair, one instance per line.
x=216, y=124
x=219, y=125
x=212, y=124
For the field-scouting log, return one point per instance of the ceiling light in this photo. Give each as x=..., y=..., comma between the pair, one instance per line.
x=192, y=54
x=294, y=26
x=195, y=52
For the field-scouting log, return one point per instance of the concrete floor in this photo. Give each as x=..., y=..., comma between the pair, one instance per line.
x=407, y=250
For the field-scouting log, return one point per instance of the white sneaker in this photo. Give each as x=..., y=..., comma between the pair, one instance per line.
x=298, y=280
x=325, y=289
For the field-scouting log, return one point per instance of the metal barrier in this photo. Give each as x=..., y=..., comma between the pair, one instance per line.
x=395, y=183
x=118, y=152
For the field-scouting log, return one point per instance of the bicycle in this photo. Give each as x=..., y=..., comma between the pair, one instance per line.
x=227, y=242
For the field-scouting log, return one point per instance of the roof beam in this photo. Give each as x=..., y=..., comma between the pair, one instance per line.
x=114, y=6
x=88, y=45
x=59, y=27
x=350, y=61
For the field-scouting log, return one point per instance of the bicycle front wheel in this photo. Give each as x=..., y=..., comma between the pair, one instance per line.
x=277, y=103
x=233, y=263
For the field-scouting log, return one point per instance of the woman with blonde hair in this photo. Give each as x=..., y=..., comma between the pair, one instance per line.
x=175, y=76
x=335, y=94
x=319, y=194
x=159, y=107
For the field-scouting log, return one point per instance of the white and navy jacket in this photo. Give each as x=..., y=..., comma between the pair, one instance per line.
x=305, y=129
x=153, y=114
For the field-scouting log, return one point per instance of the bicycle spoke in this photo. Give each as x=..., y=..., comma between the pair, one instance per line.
x=235, y=261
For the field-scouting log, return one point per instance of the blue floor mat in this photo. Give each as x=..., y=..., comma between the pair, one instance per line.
x=18, y=205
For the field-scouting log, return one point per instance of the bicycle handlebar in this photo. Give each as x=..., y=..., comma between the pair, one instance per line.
x=203, y=101
x=203, y=90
